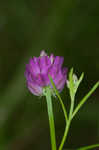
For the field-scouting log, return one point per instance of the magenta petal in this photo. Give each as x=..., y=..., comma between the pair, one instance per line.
x=45, y=79
x=40, y=80
x=44, y=64
x=60, y=84
x=64, y=71
x=60, y=81
x=58, y=61
x=34, y=66
x=34, y=89
x=53, y=71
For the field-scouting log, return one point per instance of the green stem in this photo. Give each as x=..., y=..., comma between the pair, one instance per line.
x=89, y=147
x=71, y=107
x=67, y=125
x=65, y=135
x=51, y=118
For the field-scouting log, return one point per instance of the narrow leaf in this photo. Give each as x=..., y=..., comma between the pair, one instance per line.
x=61, y=102
x=85, y=99
x=79, y=81
x=81, y=78
x=88, y=147
x=71, y=84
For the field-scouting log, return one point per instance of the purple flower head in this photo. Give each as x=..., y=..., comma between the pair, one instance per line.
x=39, y=68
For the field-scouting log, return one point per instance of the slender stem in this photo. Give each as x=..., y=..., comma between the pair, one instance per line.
x=65, y=135
x=71, y=107
x=51, y=118
x=68, y=124
x=89, y=147
x=63, y=107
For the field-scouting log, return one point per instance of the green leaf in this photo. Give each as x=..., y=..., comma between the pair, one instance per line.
x=61, y=102
x=79, y=81
x=71, y=83
x=89, y=147
x=85, y=99
x=81, y=78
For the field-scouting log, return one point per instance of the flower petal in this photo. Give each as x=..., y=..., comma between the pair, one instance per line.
x=34, y=65
x=44, y=64
x=58, y=61
x=35, y=89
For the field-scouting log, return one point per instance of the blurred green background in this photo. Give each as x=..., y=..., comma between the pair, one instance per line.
x=69, y=28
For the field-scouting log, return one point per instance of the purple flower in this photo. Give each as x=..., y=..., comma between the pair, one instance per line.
x=39, y=68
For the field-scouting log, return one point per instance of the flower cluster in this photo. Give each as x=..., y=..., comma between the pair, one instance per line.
x=38, y=70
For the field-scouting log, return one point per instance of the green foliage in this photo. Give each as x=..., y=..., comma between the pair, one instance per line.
x=73, y=84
